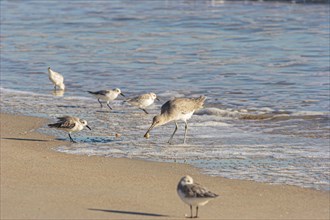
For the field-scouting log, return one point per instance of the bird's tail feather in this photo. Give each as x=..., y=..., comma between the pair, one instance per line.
x=56, y=125
x=200, y=101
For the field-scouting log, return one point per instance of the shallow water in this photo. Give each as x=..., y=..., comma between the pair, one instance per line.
x=264, y=68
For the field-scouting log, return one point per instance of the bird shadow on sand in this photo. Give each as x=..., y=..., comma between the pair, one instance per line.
x=109, y=111
x=90, y=140
x=104, y=111
x=70, y=106
x=129, y=212
x=25, y=139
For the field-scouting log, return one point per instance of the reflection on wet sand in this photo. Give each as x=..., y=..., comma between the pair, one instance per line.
x=58, y=93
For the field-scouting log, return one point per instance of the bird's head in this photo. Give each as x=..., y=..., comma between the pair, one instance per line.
x=156, y=121
x=84, y=123
x=154, y=96
x=186, y=180
x=118, y=91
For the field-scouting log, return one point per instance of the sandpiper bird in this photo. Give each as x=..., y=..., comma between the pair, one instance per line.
x=70, y=124
x=193, y=194
x=177, y=109
x=56, y=78
x=107, y=95
x=143, y=101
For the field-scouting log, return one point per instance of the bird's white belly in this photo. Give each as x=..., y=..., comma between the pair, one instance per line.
x=105, y=97
x=146, y=103
x=57, y=80
x=194, y=201
x=185, y=117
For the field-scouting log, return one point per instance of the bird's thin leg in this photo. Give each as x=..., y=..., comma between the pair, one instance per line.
x=100, y=102
x=196, y=216
x=109, y=105
x=191, y=214
x=185, y=131
x=55, y=87
x=144, y=110
x=176, y=128
x=71, y=139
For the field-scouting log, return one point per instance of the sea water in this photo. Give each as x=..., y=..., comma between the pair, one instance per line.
x=263, y=66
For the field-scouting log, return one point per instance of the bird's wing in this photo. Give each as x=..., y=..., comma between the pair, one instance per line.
x=57, y=76
x=68, y=124
x=197, y=191
x=101, y=92
x=141, y=98
x=166, y=107
x=67, y=118
x=178, y=105
x=131, y=100
x=144, y=96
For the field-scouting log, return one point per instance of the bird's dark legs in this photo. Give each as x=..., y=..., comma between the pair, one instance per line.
x=109, y=106
x=55, y=87
x=71, y=139
x=100, y=102
x=185, y=131
x=196, y=216
x=176, y=128
x=144, y=110
x=191, y=211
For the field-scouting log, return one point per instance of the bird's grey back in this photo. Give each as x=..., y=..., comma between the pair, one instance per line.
x=67, y=118
x=65, y=122
x=183, y=105
x=101, y=92
x=195, y=191
x=139, y=98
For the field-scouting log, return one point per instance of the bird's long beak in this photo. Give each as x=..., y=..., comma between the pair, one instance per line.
x=88, y=127
x=122, y=94
x=147, y=133
x=157, y=99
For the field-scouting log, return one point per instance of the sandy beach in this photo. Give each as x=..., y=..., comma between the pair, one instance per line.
x=40, y=183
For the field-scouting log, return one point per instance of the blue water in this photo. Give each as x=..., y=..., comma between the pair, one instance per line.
x=264, y=67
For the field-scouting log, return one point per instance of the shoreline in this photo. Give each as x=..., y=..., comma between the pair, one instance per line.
x=40, y=183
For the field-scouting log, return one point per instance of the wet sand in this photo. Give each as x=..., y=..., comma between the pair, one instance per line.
x=40, y=183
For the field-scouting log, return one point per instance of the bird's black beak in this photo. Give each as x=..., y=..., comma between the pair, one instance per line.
x=147, y=133
x=122, y=94
x=88, y=127
x=157, y=99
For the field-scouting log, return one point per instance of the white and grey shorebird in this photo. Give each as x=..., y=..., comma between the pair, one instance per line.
x=56, y=78
x=174, y=110
x=143, y=101
x=107, y=95
x=193, y=194
x=70, y=124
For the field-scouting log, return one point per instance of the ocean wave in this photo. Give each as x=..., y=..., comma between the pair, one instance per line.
x=261, y=114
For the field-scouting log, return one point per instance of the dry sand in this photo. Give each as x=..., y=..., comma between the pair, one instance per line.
x=39, y=183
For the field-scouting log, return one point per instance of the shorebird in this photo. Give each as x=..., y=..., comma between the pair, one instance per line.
x=143, y=101
x=70, y=124
x=174, y=110
x=56, y=78
x=193, y=194
x=107, y=95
